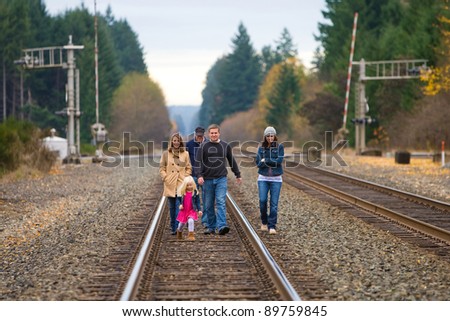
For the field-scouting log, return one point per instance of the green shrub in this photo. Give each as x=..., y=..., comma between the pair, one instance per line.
x=87, y=149
x=10, y=146
x=20, y=144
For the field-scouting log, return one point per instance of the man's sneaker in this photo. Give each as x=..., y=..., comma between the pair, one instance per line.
x=272, y=231
x=224, y=230
x=209, y=231
x=264, y=227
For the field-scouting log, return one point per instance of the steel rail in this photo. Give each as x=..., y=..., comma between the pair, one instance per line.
x=281, y=282
x=415, y=224
x=386, y=189
x=133, y=281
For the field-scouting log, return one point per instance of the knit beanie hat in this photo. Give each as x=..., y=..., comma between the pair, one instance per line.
x=270, y=131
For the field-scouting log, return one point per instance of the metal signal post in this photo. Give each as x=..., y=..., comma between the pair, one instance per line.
x=376, y=70
x=53, y=57
x=73, y=156
x=379, y=70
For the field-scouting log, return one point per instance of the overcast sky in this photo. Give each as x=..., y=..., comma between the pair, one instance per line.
x=183, y=38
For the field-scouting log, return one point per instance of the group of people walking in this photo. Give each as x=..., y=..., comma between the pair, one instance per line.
x=200, y=168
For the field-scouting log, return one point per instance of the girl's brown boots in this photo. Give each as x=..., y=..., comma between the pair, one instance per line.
x=191, y=236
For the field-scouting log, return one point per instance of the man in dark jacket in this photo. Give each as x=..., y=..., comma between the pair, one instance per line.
x=192, y=147
x=212, y=158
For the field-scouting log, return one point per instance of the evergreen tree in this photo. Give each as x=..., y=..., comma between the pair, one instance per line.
x=80, y=24
x=209, y=109
x=317, y=61
x=41, y=96
x=40, y=23
x=241, y=77
x=14, y=35
x=269, y=58
x=387, y=30
x=285, y=96
x=26, y=24
x=284, y=49
x=285, y=46
x=126, y=44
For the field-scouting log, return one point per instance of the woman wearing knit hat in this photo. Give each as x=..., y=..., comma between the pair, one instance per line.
x=270, y=169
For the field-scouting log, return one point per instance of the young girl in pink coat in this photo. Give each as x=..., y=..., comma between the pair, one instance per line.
x=188, y=209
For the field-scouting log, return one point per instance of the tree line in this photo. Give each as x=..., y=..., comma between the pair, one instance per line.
x=244, y=79
x=248, y=88
x=37, y=95
x=387, y=30
x=272, y=87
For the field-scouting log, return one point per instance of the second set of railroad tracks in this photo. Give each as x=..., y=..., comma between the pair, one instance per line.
x=416, y=219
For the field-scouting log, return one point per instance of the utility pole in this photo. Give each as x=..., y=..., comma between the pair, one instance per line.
x=96, y=62
x=53, y=57
x=98, y=130
x=379, y=70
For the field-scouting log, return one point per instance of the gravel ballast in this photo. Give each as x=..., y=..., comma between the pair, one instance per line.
x=55, y=229
x=422, y=176
x=355, y=260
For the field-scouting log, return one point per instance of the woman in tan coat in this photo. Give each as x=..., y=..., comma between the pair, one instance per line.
x=174, y=166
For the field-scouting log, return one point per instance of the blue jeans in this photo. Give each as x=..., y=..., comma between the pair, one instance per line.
x=174, y=207
x=215, y=191
x=202, y=192
x=264, y=188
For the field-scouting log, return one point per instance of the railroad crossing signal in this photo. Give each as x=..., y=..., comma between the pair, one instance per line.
x=53, y=57
x=379, y=70
x=368, y=120
x=99, y=136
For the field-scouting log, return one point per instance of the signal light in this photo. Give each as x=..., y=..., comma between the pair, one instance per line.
x=366, y=120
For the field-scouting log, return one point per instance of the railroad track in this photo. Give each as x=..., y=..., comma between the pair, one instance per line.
x=417, y=219
x=304, y=280
x=235, y=266
x=230, y=267
x=109, y=281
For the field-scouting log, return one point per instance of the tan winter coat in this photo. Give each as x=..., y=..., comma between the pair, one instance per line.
x=173, y=170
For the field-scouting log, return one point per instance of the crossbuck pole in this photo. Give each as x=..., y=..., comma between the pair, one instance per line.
x=349, y=73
